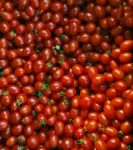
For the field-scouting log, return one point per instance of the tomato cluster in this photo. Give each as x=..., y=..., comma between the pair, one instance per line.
x=66, y=74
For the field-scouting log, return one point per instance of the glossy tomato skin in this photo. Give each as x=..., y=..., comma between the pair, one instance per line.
x=113, y=143
x=67, y=143
x=3, y=125
x=100, y=145
x=53, y=141
x=66, y=77
x=85, y=102
x=109, y=111
x=33, y=141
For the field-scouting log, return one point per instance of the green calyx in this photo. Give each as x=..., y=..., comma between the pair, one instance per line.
x=80, y=141
x=66, y=101
x=94, y=138
x=12, y=32
x=58, y=49
x=85, y=131
x=38, y=94
x=70, y=121
x=42, y=122
x=120, y=134
x=108, y=52
x=21, y=148
x=49, y=64
x=90, y=63
x=45, y=86
x=19, y=102
x=129, y=147
x=102, y=128
x=34, y=113
x=50, y=103
x=1, y=73
x=62, y=93
x=37, y=50
x=5, y=93
x=62, y=36
x=21, y=139
x=60, y=61
x=35, y=31
x=38, y=13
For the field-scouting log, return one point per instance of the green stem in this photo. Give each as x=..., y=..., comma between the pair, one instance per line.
x=1, y=73
x=49, y=64
x=38, y=94
x=5, y=93
x=58, y=49
x=62, y=93
x=21, y=139
x=108, y=52
x=19, y=102
x=70, y=121
x=12, y=32
x=80, y=141
x=66, y=101
x=45, y=86
x=120, y=134
x=129, y=147
x=42, y=122
x=34, y=113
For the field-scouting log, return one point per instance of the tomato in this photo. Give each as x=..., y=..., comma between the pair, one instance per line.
x=17, y=130
x=3, y=125
x=69, y=130
x=111, y=131
x=77, y=70
x=125, y=57
x=28, y=130
x=38, y=66
x=66, y=78
x=15, y=117
x=103, y=119
x=109, y=111
x=126, y=45
x=53, y=141
x=118, y=74
x=92, y=126
x=85, y=102
x=56, y=86
x=126, y=127
x=113, y=143
x=44, y=5
x=5, y=115
x=77, y=121
x=59, y=127
x=11, y=141
x=100, y=145
x=3, y=82
x=33, y=141
x=100, y=98
x=67, y=143
x=130, y=95
x=98, y=80
x=128, y=109
x=117, y=102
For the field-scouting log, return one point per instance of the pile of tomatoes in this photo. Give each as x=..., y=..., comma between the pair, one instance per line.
x=66, y=74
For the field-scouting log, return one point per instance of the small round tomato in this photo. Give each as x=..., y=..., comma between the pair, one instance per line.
x=109, y=111
x=85, y=102
x=33, y=141
x=92, y=126
x=113, y=143
x=67, y=143
x=100, y=145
